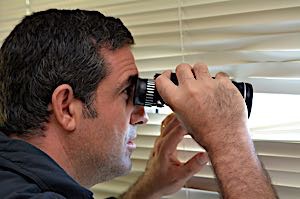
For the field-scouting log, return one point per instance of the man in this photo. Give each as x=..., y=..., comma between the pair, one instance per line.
x=68, y=121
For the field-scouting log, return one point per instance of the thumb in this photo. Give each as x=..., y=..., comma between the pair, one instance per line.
x=195, y=164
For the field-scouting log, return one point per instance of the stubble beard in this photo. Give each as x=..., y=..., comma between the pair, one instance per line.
x=117, y=162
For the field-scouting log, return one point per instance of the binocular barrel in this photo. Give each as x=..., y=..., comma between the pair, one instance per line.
x=146, y=94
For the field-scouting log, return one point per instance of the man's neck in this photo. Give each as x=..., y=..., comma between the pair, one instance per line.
x=52, y=143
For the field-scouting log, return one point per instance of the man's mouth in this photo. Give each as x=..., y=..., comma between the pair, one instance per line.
x=130, y=144
x=132, y=135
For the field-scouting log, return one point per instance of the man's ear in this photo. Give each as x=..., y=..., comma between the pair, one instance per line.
x=64, y=107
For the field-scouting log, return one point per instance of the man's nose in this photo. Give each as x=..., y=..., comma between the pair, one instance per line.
x=139, y=116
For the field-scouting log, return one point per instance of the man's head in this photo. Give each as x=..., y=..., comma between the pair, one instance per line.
x=50, y=48
x=72, y=71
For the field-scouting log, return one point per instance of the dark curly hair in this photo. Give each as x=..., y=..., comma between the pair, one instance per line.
x=51, y=48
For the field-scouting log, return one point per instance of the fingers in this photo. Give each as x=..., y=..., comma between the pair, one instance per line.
x=172, y=132
x=195, y=164
x=222, y=75
x=170, y=141
x=201, y=71
x=167, y=124
x=165, y=86
x=167, y=73
x=184, y=72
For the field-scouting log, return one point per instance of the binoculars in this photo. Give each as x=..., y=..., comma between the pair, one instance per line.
x=146, y=94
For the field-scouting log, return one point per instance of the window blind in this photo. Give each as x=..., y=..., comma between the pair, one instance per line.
x=253, y=41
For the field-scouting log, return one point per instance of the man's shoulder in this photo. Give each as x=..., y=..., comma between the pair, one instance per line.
x=15, y=185
x=28, y=170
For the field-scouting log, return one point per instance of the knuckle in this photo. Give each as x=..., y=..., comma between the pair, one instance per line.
x=158, y=80
x=182, y=67
x=201, y=66
x=222, y=75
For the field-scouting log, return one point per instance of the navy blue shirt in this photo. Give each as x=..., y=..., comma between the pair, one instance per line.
x=27, y=172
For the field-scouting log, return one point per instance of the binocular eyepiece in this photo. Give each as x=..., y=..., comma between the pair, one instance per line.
x=146, y=94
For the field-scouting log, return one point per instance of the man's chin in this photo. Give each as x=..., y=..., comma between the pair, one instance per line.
x=124, y=167
x=127, y=167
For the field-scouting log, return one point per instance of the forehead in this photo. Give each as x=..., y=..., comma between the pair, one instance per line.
x=120, y=64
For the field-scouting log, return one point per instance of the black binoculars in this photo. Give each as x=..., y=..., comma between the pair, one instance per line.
x=146, y=94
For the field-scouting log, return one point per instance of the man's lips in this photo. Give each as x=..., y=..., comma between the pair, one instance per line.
x=131, y=145
x=131, y=137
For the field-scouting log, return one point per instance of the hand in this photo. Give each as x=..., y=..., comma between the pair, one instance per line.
x=206, y=106
x=164, y=173
x=167, y=172
x=214, y=113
